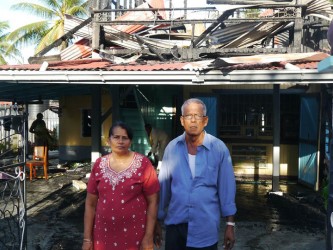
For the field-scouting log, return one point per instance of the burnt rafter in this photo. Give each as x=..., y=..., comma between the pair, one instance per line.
x=65, y=37
x=153, y=50
x=213, y=26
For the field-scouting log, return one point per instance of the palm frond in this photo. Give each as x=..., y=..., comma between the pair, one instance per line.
x=28, y=34
x=78, y=11
x=4, y=25
x=2, y=60
x=49, y=37
x=7, y=50
x=44, y=33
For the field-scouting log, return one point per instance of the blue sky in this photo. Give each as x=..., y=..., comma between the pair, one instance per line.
x=16, y=19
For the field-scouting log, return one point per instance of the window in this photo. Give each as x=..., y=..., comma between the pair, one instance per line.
x=86, y=123
x=251, y=116
x=246, y=115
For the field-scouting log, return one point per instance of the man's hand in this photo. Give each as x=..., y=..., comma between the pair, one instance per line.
x=229, y=237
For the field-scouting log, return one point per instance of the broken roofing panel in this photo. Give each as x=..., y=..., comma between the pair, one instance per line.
x=138, y=16
x=81, y=49
x=117, y=37
x=254, y=36
x=268, y=58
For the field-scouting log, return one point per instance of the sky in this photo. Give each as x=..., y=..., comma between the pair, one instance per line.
x=17, y=19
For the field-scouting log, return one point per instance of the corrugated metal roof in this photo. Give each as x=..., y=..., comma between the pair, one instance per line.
x=99, y=64
x=271, y=62
x=22, y=83
x=81, y=49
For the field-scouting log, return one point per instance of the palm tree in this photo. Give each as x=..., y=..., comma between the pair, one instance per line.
x=7, y=50
x=51, y=27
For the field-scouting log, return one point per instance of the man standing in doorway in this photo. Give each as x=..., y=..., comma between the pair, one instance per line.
x=42, y=135
x=197, y=186
x=158, y=140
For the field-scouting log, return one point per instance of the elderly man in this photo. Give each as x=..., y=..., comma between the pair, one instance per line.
x=197, y=186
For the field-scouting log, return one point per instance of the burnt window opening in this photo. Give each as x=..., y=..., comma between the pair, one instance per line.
x=86, y=123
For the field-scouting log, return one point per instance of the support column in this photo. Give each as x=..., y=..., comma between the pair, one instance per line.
x=96, y=39
x=329, y=226
x=96, y=125
x=298, y=29
x=276, y=138
x=26, y=131
x=115, y=102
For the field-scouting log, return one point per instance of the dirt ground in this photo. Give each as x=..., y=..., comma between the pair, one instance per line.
x=294, y=221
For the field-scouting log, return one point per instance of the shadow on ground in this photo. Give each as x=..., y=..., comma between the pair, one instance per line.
x=55, y=213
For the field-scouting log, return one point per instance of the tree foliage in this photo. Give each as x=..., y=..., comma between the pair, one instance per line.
x=51, y=26
x=7, y=50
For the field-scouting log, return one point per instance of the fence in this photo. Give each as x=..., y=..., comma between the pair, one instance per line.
x=12, y=180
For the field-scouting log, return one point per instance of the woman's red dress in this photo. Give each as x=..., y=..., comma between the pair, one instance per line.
x=120, y=217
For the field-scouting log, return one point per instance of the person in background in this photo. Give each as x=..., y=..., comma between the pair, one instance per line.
x=39, y=129
x=158, y=140
x=197, y=186
x=122, y=197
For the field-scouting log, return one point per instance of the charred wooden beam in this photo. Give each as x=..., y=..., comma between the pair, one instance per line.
x=195, y=53
x=63, y=38
x=153, y=50
x=212, y=27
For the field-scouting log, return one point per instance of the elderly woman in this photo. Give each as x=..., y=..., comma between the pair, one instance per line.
x=122, y=198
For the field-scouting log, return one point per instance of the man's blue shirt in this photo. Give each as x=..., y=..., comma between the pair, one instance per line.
x=198, y=201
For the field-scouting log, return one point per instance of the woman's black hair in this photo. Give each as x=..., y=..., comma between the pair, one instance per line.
x=124, y=126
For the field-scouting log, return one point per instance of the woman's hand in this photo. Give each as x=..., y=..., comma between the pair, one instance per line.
x=87, y=245
x=158, y=236
x=147, y=243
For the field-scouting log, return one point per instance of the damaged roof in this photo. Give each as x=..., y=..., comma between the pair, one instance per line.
x=51, y=80
x=198, y=33
x=205, y=46
x=210, y=32
x=267, y=62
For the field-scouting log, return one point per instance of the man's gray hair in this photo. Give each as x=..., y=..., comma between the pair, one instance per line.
x=194, y=100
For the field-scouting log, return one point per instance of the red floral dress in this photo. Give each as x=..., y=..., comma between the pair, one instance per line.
x=120, y=217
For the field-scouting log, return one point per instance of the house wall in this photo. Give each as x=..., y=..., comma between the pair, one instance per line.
x=73, y=146
x=252, y=167
x=247, y=161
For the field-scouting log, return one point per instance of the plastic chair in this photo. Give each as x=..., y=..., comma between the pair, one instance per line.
x=39, y=159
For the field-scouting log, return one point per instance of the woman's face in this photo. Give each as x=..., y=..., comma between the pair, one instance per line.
x=119, y=141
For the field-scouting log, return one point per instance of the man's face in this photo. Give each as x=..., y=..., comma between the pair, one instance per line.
x=193, y=119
